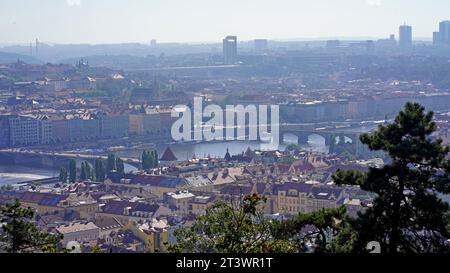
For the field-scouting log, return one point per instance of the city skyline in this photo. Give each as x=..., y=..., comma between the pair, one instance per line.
x=119, y=21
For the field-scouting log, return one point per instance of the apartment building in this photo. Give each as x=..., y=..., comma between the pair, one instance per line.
x=24, y=130
x=292, y=198
x=79, y=232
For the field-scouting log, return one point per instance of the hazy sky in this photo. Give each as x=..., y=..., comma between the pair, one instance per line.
x=112, y=21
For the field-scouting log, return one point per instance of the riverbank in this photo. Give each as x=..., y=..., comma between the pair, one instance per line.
x=12, y=174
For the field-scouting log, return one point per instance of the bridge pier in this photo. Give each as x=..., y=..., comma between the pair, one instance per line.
x=329, y=139
x=302, y=138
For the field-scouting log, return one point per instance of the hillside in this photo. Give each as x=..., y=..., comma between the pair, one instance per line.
x=6, y=58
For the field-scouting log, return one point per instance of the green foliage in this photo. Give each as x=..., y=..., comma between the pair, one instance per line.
x=111, y=163
x=96, y=249
x=230, y=228
x=226, y=228
x=7, y=187
x=149, y=159
x=114, y=163
x=155, y=159
x=20, y=234
x=72, y=171
x=293, y=147
x=342, y=148
x=144, y=160
x=100, y=171
x=120, y=165
x=83, y=174
x=407, y=215
x=63, y=175
x=318, y=231
x=86, y=172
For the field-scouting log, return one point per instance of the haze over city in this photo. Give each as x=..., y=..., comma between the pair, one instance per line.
x=232, y=127
x=120, y=21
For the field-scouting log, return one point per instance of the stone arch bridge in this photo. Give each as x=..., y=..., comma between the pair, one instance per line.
x=51, y=160
x=329, y=134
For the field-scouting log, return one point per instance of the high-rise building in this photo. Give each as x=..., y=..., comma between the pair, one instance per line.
x=444, y=32
x=230, y=50
x=4, y=131
x=436, y=38
x=405, y=37
x=260, y=45
x=29, y=130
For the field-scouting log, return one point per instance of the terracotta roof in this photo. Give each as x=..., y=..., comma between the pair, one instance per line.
x=76, y=227
x=46, y=199
x=343, y=167
x=301, y=187
x=119, y=207
x=236, y=190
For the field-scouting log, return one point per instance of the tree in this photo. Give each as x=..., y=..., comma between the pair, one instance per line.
x=88, y=170
x=230, y=228
x=152, y=159
x=63, y=175
x=332, y=143
x=93, y=174
x=155, y=159
x=147, y=160
x=100, y=171
x=7, y=187
x=20, y=234
x=293, y=147
x=143, y=159
x=96, y=249
x=72, y=171
x=318, y=231
x=120, y=165
x=83, y=174
x=111, y=163
x=407, y=215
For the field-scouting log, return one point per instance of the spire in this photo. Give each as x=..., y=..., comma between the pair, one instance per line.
x=249, y=152
x=168, y=155
x=227, y=155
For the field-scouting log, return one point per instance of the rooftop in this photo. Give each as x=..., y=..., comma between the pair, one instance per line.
x=180, y=195
x=76, y=227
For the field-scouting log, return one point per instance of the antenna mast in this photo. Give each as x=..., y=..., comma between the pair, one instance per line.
x=37, y=44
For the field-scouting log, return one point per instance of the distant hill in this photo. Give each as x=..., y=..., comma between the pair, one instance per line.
x=6, y=58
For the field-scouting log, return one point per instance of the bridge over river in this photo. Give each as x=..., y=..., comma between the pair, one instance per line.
x=55, y=160
x=329, y=133
x=51, y=160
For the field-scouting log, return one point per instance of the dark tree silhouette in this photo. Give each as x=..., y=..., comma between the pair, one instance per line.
x=407, y=215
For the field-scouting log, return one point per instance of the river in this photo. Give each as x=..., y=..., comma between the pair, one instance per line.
x=11, y=174
x=16, y=174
